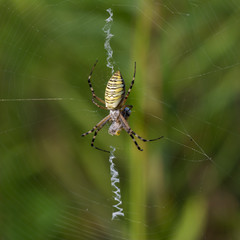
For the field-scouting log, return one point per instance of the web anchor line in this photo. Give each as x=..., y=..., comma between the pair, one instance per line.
x=116, y=190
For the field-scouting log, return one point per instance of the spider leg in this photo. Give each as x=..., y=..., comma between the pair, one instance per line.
x=93, y=139
x=99, y=106
x=91, y=88
x=143, y=139
x=130, y=88
x=140, y=149
x=98, y=126
x=132, y=133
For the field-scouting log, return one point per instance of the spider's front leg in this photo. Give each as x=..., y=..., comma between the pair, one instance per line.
x=132, y=133
x=93, y=139
x=98, y=127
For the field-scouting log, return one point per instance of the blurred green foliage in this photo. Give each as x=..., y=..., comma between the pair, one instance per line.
x=53, y=185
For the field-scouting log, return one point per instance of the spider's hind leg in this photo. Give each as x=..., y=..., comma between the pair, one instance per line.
x=91, y=88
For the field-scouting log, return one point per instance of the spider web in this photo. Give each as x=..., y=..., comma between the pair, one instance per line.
x=54, y=185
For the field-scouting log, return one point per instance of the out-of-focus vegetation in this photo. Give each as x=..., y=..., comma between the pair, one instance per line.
x=53, y=185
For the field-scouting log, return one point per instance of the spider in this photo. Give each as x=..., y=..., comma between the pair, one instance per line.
x=115, y=100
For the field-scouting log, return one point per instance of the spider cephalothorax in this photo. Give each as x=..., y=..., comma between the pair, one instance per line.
x=116, y=126
x=115, y=100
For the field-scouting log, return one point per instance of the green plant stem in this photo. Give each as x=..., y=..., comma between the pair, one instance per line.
x=138, y=160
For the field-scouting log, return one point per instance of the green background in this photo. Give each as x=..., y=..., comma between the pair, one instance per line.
x=53, y=185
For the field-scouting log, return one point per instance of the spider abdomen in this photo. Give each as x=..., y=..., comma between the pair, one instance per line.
x=115, y=91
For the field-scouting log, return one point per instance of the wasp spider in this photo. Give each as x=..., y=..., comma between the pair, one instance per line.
x=115, y=100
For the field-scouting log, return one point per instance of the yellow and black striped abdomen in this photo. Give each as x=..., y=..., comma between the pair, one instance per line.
x=115, y=91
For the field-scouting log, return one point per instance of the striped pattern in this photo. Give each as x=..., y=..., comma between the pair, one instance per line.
x=115, y=91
